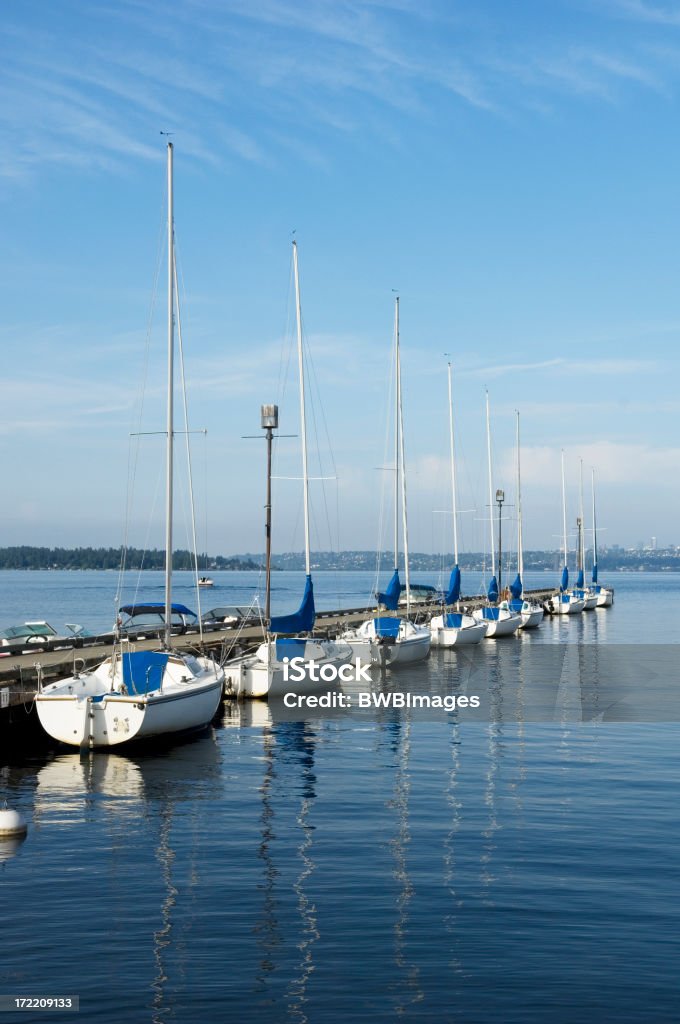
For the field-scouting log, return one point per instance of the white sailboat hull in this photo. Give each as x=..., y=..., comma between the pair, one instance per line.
x=531, y=615
x=404, y=652
x=412, y=643
x=87, y=711
x=504, y=624
x=470, y=631
x=567, y=604
x=263, y=674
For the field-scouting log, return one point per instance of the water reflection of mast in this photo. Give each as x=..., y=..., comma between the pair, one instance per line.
x=455, y=805
x=303, y=739
x=162, y=937
x=412, y=992
x=495, y=735
x=70, y=792
x=267, y=928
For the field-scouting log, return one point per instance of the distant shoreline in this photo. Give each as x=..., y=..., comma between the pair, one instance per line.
x=43, y=559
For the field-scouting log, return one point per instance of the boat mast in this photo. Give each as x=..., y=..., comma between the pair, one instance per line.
x=488, y=452
x=397, y=396
x=402, y=466
x=594, y=572
x=303, y=423
x=454, y=506
x=564, y=514
x=520, y=550
x=170, y=425
x=582, y=524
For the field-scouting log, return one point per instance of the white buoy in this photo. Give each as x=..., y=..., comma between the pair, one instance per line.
x=11, y=824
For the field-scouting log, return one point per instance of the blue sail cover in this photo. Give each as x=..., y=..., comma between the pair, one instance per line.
x=387, y=627
x=564, y=582
x=143, y=671
x=516, y=587
x=594, y=573
x=290, y=647
x=580, y=580
x=492, y=592
x=453, y=593
x=391, y=596
x=301, y=621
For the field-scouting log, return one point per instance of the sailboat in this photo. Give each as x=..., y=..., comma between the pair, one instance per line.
x=605, y=595
x=500, y=619
x=530, y=611
x=267, y=672
x=566, y=602
x=454, y=628
x=136, y=695
x=391, y=639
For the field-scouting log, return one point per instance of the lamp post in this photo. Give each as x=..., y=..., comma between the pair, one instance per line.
x=269, y=423
x=500, y=498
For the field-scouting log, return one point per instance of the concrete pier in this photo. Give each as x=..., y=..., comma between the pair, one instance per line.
x=22, y=669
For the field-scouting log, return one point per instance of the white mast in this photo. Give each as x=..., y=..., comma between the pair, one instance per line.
x=170, y=425
x=564, y=514
x=582, y=531
x=402, y=466
x=592, y=471
x=488, y=452
x=397, y=396
x=520, y=550
x=303, y=424
x=454, y=505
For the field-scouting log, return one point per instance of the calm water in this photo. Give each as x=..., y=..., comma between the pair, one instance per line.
x=354, y=868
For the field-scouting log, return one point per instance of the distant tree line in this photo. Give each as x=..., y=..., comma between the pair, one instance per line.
x=535, y=561
x=26, y=557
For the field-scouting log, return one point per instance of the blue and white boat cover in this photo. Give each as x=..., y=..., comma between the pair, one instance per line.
x=492, y=592
x=143, y=670
x=290, y=647
x=453, y=620
x=387, y=627
x=301, y=621
x=390, y=599
x=148, y=607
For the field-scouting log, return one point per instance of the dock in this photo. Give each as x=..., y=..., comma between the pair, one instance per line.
x=23, y=670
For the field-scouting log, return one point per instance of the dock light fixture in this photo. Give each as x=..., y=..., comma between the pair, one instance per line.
x=500, y=498
x=270, y=417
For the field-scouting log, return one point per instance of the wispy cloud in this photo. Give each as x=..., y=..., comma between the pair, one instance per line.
x=562, y=366
x=640, y=10
x=78, y=101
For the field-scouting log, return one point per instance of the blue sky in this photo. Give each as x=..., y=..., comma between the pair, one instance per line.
x=512, y=169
